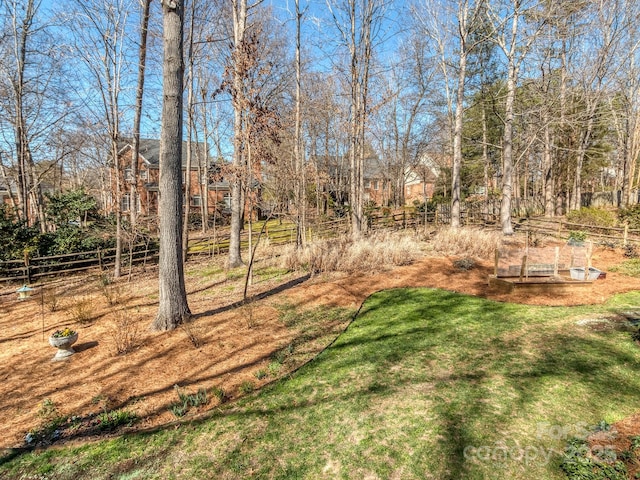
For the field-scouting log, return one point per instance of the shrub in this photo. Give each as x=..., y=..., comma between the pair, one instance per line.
x=631, y=251
x=193, y=333
x=631, y=215
x=52, y=422
x=247, y=387
x=112, y=420
x=464, y=264
x=186, y=401
x=429, y=206
x=593, y=217
x=125, y=331
x=582, y=462
x=81, y=310
x=577, y=236
x=111, y=291
x=15, y=235
x=630, y=267
x=274, y=368
x=219, y=393
x=579, y=464
x=51, y=299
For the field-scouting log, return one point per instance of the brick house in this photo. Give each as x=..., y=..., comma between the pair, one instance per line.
x=420, y=180
x=335, y=171
x=207, y=185
x=377, y=184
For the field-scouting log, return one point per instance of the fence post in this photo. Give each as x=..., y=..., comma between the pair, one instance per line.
x=100, y=258
x=626, y=234
x=27, y=266
x=523, y=267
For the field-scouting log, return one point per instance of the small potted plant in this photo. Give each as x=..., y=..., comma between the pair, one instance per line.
x=577, y=238
x=62, y=340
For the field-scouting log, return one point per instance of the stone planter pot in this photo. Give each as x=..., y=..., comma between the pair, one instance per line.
x=63, y=344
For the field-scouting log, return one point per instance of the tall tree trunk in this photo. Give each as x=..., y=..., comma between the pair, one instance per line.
x=585, y=141
x=547, y=170
x=22, y=34
x=457, y=137
x=485, y=158
x=237, y=204
x=173, y=308
x=507, y=154
x=142, y=61
x=117, y=207
x=203, y=172
x=300, y=177
x=190, y=114
x=354, y=171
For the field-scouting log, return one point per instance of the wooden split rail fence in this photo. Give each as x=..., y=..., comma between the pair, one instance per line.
x=558, y=227
x=30, y=268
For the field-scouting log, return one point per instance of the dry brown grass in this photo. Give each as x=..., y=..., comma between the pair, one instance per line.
x=467, y=241
x=375, y=253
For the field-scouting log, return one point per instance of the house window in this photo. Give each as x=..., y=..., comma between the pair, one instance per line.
x=227, y=200
x=127, y=174
x=196, y=201
x=375, y=184
x=125, y=203
x=367, y=184
x=144, y=174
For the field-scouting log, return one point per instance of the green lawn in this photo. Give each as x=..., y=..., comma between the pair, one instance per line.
x=424, y=384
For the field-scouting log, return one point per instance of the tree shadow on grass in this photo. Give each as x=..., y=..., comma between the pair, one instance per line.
x=464, y=352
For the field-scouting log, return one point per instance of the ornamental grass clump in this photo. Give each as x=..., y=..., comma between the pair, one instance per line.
x=371, y=254
x=470, y=242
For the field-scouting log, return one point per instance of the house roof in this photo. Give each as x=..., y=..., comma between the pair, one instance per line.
x=150, y=151
x=339, y=165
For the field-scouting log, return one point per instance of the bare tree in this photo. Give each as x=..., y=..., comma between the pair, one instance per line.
x=173, y=308
x=400, y=123
x=100, y=35
x=515, y=42
x=592, y=81
x=33, y=100
x=301, y=183
x=358, y=23
x=467, y=13
x=142, y=63
x=239, y=67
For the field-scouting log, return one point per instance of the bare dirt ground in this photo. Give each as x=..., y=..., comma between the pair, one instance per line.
x=223, y=347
